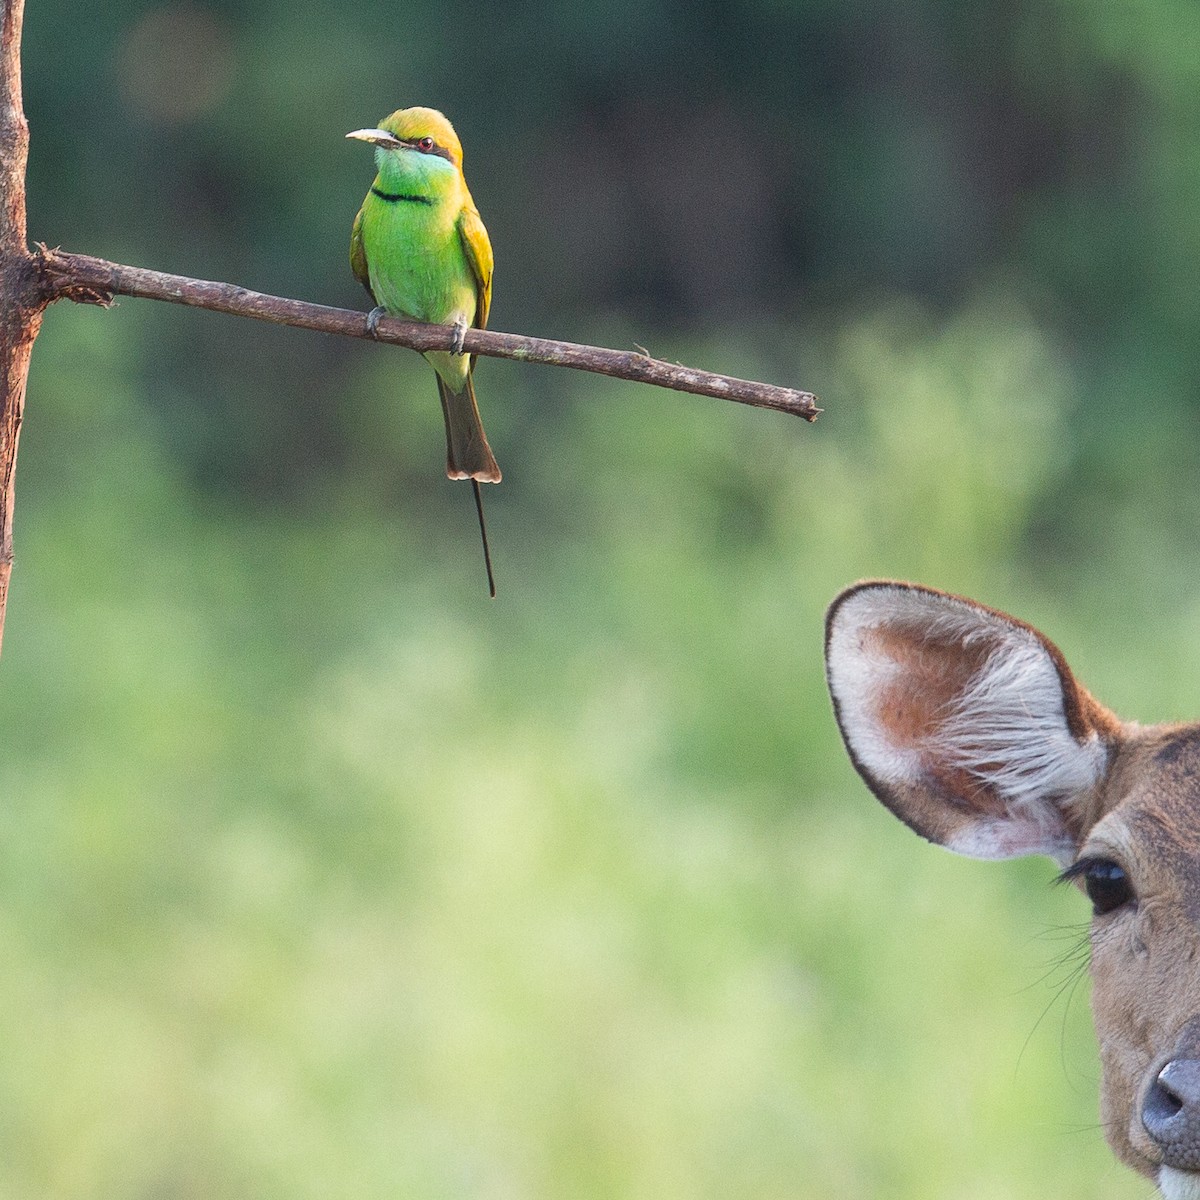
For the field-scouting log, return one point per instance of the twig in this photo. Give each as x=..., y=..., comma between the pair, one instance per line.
x=93, y=280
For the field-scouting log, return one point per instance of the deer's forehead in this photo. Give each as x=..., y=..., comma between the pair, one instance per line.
x=1154, y=809
x=1159, y=772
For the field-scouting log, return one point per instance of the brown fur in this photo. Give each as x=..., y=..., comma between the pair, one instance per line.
x=1145, y=960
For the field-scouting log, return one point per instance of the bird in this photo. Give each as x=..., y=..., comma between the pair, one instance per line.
x=419, y=247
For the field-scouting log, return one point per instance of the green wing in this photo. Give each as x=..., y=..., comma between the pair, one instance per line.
x=478, y=248
x=358, y=254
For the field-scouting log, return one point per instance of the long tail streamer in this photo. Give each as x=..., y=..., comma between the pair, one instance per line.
x=487, y=554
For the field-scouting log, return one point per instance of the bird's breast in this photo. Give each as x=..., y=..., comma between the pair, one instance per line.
x=416, y=261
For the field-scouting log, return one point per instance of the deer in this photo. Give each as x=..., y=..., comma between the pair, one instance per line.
x=968, y=725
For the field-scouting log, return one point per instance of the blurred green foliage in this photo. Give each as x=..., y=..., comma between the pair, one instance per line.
x=323, y=875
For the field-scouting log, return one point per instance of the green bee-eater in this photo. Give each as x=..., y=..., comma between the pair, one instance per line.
x=420, y=249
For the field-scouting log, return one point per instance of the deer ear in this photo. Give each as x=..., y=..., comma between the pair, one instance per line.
x=965, y=722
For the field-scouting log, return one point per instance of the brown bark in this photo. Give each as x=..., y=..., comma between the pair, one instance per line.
x=81, y=277
x=21, y=300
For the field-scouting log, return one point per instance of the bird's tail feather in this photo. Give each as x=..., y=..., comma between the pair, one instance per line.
x=487, y=554
x=468, y=455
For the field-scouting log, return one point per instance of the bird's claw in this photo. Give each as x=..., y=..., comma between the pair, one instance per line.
x=460, y=337
x=373, y=319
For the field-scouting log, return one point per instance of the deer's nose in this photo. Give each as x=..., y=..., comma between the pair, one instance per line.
x=1171, y=1113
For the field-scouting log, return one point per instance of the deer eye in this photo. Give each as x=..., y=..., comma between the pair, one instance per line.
x=1105, y=882
x=425, y=143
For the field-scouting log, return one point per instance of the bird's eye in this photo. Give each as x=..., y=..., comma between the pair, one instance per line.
x=426, y=143
x=1106, y=883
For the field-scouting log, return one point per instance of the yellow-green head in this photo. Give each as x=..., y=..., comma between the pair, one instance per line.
x=414, y=143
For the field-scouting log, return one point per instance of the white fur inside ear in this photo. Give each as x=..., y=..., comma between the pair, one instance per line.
x=1008, y=728
x=1003, y=725
x=1178, y=1185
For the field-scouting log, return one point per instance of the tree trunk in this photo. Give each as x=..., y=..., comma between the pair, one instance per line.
x=21, y=302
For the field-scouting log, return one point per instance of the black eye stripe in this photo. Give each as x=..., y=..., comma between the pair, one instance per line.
x=414, y=143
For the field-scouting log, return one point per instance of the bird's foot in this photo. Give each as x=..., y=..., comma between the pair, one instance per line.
x=460, y=336
x=373, y=319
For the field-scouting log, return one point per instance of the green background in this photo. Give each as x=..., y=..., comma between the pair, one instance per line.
x=323, y=876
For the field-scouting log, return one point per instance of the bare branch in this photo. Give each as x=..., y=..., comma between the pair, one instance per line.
x=93, y=280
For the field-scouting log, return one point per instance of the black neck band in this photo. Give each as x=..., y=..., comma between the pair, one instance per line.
x=395, y=197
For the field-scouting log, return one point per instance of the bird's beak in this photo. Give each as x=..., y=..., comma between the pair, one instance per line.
x=378, y=137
